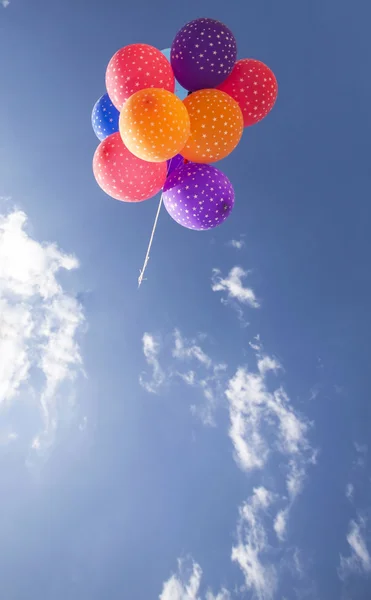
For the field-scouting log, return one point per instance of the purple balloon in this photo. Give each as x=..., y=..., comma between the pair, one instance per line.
x=198, y=196
x=203, y=54
x=174, y=163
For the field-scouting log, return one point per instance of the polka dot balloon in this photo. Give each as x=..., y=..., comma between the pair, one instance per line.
x=216, y=126
x=122, y=175
x=179, y=90
x=254, y=86
x=198, y=196
x=137, y=67
x=105, y=118
x=174, y=163
x=203, y=54
x=154, y=124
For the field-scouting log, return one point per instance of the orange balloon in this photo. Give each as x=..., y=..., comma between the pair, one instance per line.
x=154, y=125
x=216, y=126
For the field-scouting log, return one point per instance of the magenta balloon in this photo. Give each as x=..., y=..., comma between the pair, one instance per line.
x=174, y=163
x=198, y=196
x=203, y=54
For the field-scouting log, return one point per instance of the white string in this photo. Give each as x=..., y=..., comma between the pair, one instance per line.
x=141, y=272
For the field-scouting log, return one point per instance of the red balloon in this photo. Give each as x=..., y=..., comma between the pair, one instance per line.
x=137, y=67
x=254, y=86
x=122, y=175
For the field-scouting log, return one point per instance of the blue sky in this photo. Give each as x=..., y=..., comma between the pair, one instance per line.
x=205, y=438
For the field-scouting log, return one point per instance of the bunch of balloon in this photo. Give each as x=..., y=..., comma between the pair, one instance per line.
x=168, y=114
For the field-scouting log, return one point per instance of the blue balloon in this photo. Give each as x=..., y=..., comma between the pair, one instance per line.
x=105, y=118
x=179, y=90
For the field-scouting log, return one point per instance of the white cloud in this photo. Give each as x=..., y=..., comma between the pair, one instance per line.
x=237, y=244
x=263, y=426
x=263, y=423
x=206, y=375
x=7, y=435
x=362, y=450
x=359, y=560
x=261, y=420
x=295, y=477
x=184, y=350
x=266, y=364
x=349, y=491
x=297, y=563
x=245, y=395
x=314, y=392
x=16, y=330
x=280, y=524
x=256, y=344
x=39, y=322
x=60, y=353
x=186, y=584
x=233, y=285
x=151, y=348
x=254, y=410
x=5, y=3
x=252, y=544
x=223, y=595
x=190, y=378
x=177, y=589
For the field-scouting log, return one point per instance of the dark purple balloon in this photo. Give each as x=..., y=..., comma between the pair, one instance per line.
x=198, y=196
x=203, y=54
x=174, y=163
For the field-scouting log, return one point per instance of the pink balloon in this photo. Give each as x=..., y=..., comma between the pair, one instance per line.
x=137, y=67
x=122, y=175
x=254, y=86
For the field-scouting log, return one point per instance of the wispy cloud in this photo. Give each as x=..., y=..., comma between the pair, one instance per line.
x=280, y=524
x=255, y=411
x=264, y=425
x=151, y=349
x=254, y=553
x=233, y=285
x=263, y=422
x=208, y=378
x=252, y=544
x=185, y=350
x=349, y=491
x=296, y=564
x=297, y=472
x=237, y=244
x=359, y=560
x=39, y=323
x=189, y=363
x=5, y=3
x=362, y=450
x=185, y=585
x=7, y=435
